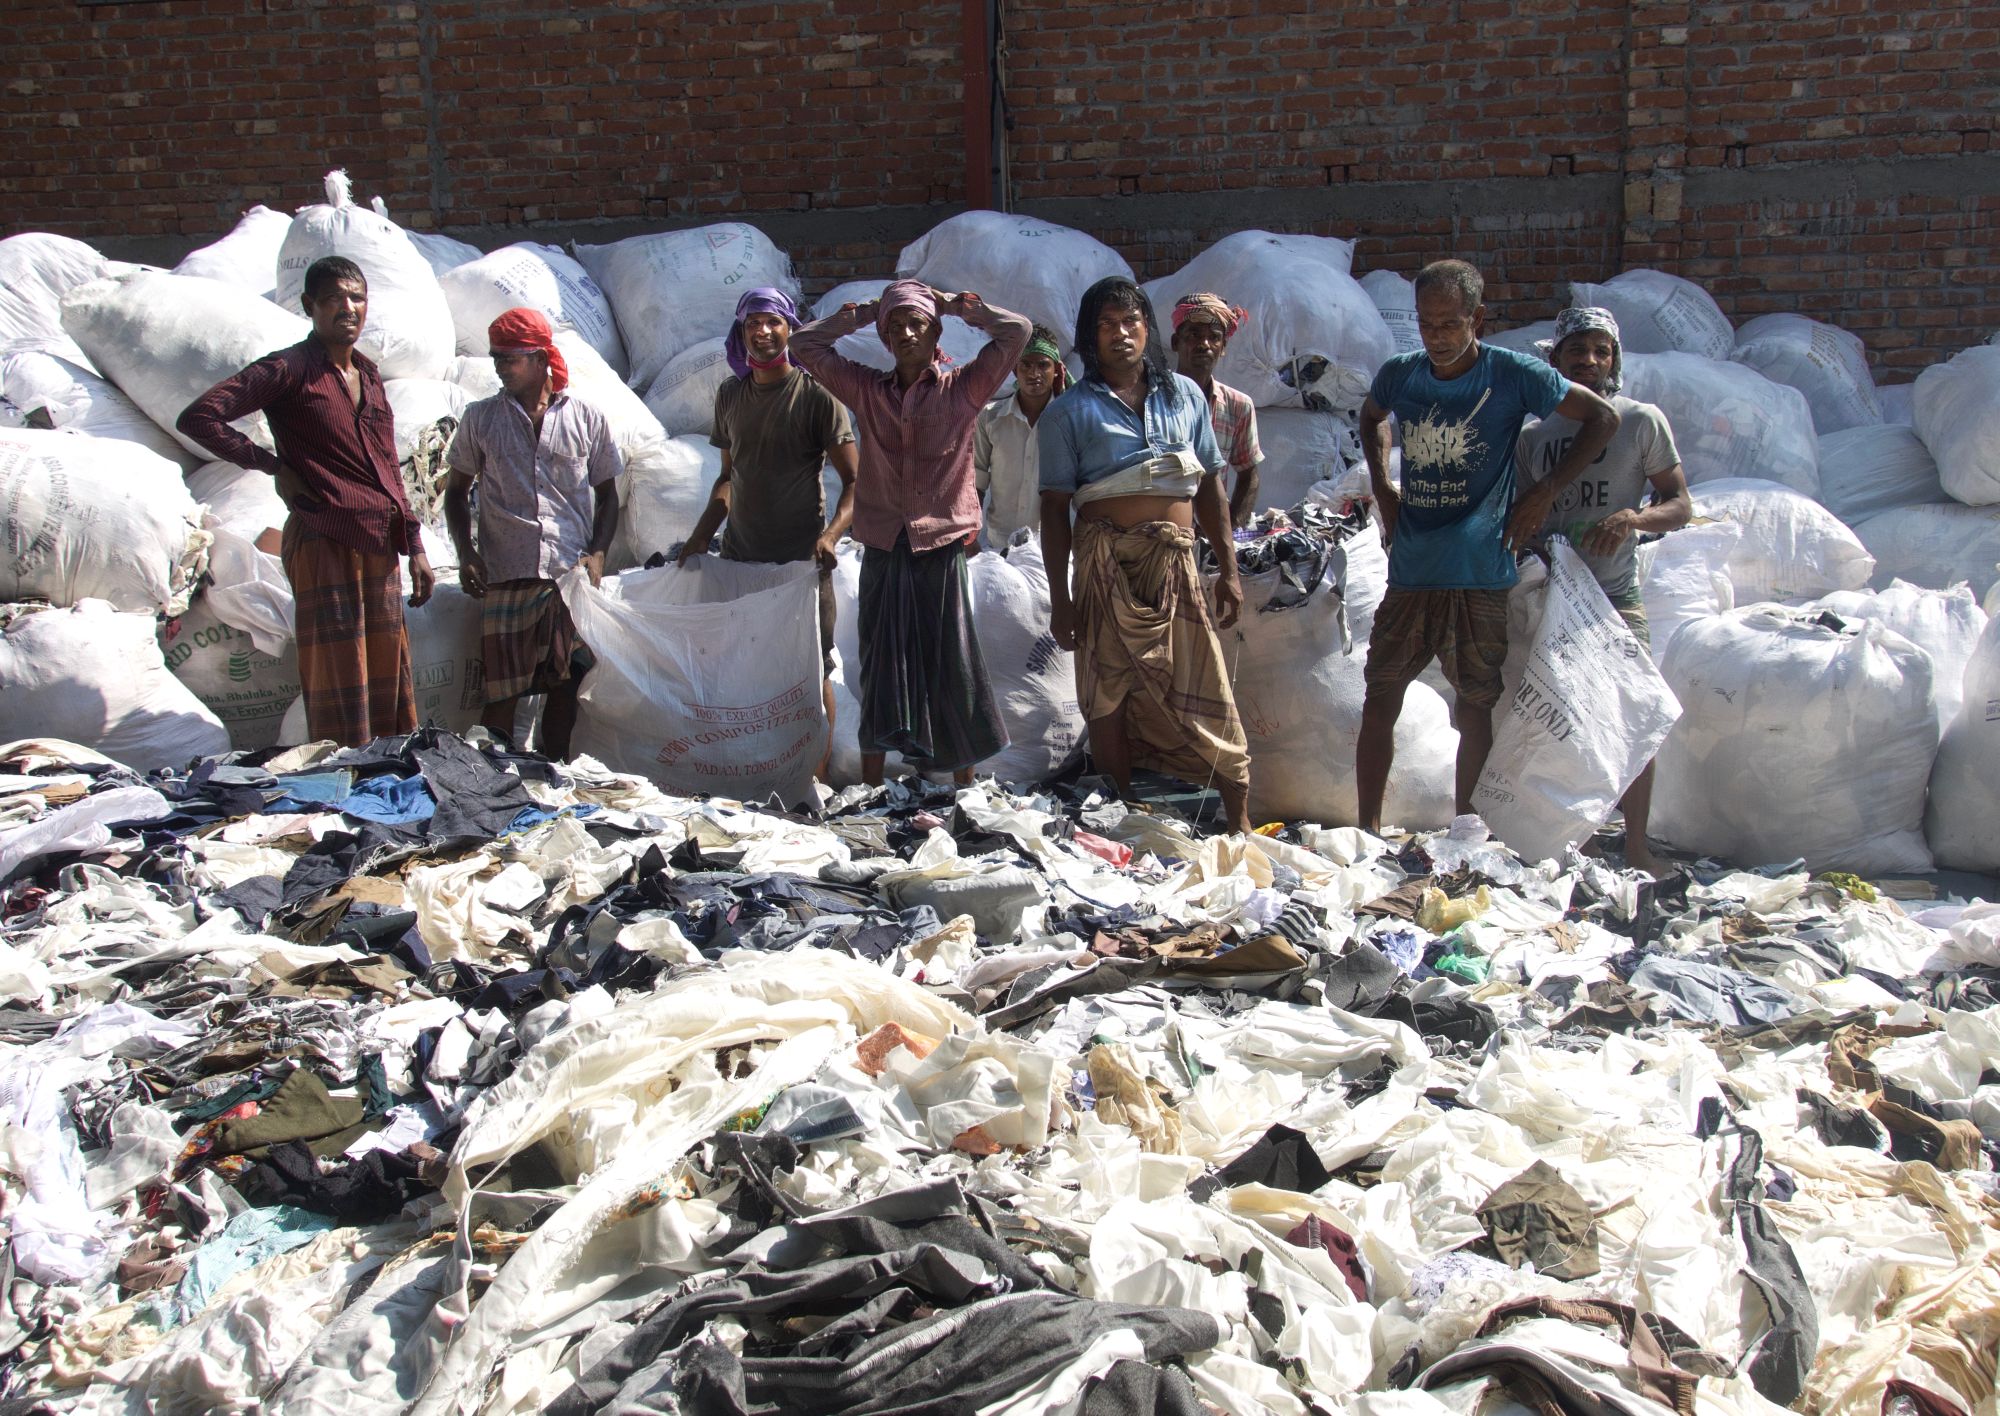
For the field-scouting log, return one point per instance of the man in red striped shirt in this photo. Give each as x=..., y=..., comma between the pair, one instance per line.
x=349, y=519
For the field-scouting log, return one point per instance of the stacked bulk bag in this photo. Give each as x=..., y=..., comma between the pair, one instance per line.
x=1822, y=361
x=1797, y=739
x=1659, y=313
x=1791, y=547
x=1958, y=417
x=1729, y=421
x=1313, y=337
x=92, y=674
x=536, y=277
x=1869, y=470
x=1034, y=268
x=48, y=391
x=674, y=289
x=246, y=257
x=409, y=330
x=165, y=340
x=88, y=518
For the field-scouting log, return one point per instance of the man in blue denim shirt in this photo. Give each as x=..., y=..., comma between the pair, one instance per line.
x=1131, y=449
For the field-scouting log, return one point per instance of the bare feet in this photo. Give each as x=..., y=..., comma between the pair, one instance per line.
x=1638, y=856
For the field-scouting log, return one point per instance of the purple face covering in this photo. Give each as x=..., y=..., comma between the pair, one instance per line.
x=764, y=300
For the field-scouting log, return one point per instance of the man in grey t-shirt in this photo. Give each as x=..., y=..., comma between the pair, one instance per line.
x=777, y=427
x=1601, y=512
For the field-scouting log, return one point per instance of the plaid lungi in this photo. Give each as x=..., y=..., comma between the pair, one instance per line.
x=527, y=639
x=354, y=655
x=1146, y=647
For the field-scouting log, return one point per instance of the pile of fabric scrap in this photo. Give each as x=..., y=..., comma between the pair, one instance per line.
x=425, y=1078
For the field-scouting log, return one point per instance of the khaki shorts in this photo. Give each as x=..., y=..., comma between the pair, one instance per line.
x=1632, y=609
x=1464, y=630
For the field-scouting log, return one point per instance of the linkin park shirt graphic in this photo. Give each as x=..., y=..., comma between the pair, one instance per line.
x=1458, y=463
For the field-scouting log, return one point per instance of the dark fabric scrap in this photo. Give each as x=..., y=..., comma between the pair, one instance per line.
x=1782, y=1358
x=1281, y=1158
x=362, y=1191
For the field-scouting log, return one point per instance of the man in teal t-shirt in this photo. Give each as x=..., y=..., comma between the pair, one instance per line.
x=1454, y=527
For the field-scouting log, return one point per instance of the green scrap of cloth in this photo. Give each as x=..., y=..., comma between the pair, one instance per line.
x=1851, y=885
x=1464, y=965
x=300, y=1110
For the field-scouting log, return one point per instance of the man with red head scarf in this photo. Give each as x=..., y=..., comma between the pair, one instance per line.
x=546, y=467
x=923, y=686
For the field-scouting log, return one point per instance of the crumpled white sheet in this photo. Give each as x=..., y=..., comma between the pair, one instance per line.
x=58, y=1236
x=615, y=1100
x=82, y=825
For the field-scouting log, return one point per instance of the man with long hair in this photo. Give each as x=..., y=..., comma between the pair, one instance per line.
x=1131, y=452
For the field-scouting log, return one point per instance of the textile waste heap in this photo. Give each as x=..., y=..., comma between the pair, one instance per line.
x=424, y=1078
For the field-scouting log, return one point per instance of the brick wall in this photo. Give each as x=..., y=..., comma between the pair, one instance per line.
x=1832, y=156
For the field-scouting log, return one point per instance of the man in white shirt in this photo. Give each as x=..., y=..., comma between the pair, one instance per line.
x=1006, y=464
x=546, y=467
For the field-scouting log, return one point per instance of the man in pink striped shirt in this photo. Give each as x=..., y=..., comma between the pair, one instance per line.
x=922, y=685
x=349, y=519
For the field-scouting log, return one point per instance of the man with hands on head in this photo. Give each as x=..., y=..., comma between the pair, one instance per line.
x=546, y=467
x=922, y=684
x=1600, y=509
x=777, y=428
x=347, y=515
x=1454, y=527
x=1131, y=451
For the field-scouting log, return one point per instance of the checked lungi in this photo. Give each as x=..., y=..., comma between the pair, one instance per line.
x=527, y=639
x=354, y=653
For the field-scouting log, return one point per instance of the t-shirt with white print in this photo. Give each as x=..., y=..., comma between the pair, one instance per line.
x=1641, y=449
x=1458, y=439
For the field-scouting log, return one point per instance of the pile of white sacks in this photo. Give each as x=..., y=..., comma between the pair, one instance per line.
x=1820, y=624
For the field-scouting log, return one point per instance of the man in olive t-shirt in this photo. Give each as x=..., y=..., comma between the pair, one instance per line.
x=777, y=427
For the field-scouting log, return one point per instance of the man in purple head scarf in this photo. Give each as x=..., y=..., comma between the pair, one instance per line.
x=922, y=684
x=777, y=428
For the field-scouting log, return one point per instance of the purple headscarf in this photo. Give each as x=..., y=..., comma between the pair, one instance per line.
x=764, y=300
